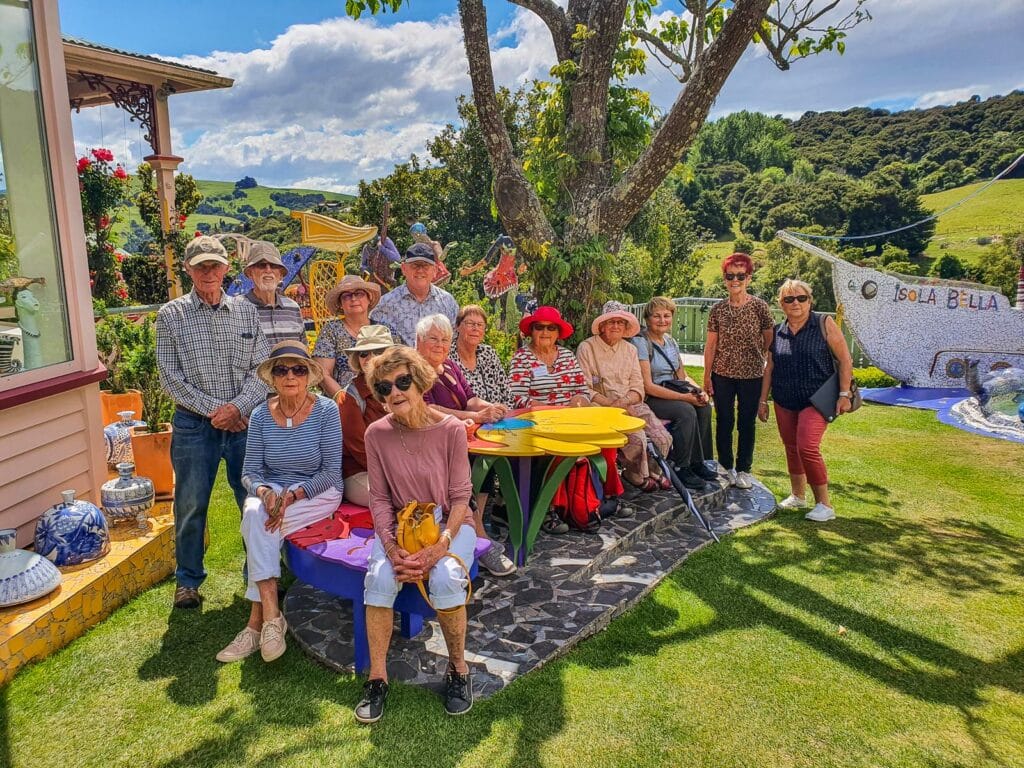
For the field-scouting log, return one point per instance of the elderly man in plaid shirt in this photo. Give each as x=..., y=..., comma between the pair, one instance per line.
x=207, y=347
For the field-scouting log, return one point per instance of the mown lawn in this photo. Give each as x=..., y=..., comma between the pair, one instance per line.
x=737, y=659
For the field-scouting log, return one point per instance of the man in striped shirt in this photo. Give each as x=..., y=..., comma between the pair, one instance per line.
x=207, y=350
x=279, y=316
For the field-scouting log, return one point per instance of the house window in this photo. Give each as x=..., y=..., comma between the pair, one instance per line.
x=34, y=330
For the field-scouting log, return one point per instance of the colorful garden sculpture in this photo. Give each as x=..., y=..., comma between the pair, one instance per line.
x=923, y=330
x=24, y=575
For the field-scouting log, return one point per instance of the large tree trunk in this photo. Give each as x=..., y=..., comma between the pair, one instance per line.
x=622, y=202
x=518, y=205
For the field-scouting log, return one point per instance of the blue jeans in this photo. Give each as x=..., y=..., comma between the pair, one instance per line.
x=196, y=452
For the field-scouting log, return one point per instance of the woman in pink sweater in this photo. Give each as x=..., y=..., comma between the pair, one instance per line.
x=416, y=454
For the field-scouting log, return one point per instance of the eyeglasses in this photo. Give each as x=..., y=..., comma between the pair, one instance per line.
x=370, y=353
x=352, y=295
x=383, y=388
x=614, y=321
x=730, y=276
x=282, y=370
x=802, y=298
x=263, y=265
x=472, y=324
x=544, y=327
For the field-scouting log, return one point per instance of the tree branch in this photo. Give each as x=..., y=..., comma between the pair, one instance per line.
x=518, y=205
x=556, y=21
x=621, y=203
x=651, y=39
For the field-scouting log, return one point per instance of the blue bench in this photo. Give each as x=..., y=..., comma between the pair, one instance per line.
x=338, y=567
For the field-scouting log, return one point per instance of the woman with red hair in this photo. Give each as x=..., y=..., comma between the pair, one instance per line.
x=739, y=334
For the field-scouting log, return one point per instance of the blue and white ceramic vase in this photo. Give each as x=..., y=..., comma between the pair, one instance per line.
x=72, y=532
x=118, y=438
x=24, y=576
x=127, y=497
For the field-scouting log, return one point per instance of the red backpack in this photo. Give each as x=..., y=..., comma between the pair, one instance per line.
x=576, y=500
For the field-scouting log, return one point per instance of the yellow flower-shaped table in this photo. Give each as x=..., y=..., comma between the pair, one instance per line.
x=539, y=432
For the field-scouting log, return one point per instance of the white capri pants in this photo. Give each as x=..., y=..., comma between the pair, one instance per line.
x=263, y=547
x=447, y=582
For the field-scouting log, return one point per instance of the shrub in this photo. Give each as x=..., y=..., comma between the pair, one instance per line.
x=873, y=378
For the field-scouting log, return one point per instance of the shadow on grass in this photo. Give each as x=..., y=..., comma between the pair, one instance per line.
x=740, y=580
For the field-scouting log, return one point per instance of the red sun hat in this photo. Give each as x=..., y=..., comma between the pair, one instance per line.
x=546, y=315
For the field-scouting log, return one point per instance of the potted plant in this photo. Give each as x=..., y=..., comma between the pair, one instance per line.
x=116, y=336
x=151, y=445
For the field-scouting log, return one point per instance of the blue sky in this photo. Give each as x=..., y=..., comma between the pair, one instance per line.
x=322, y=101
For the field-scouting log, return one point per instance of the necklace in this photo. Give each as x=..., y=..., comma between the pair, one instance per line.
x=287, y=417
x=401, y=436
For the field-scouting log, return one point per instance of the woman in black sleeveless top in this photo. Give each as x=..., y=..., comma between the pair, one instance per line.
x=803, y=355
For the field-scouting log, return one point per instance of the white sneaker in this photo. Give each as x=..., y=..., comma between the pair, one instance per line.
x=245, y=644
x=730, y=475
x=792, y=502
x=272, y=642
x=744, y=480
x=821, y=514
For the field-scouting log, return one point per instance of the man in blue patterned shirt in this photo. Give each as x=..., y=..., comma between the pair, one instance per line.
x=207, y=348
x=407, y=304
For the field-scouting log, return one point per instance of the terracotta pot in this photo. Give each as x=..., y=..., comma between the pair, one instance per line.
x=112, y=404
x=152, y=454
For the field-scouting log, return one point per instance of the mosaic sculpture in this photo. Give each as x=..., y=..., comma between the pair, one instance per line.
x=922, y=331
x=24, y=576
x=997, y=402
x=72, y=532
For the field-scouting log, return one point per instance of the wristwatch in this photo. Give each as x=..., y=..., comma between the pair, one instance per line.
x=845, y=394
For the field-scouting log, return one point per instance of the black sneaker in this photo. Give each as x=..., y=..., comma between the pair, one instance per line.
x=458, y=692
x=370, y=709
x=691, y=480
x=701, y=470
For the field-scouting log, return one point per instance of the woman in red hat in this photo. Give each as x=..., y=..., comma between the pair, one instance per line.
x=543, y=372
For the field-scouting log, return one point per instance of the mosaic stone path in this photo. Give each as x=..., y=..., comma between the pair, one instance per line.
x=571, y=588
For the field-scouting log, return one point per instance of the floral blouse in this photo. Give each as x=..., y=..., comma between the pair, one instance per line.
x=488, y=379
x=531, y=379
x=332, y=341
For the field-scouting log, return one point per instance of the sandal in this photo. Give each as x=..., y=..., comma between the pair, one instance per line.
x=663, y=482
x=554, y=525
x=649, y=485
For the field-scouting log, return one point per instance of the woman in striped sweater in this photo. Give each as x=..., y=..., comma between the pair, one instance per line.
x=292, y=471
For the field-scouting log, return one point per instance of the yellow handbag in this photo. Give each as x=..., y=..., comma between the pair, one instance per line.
x=417, y=529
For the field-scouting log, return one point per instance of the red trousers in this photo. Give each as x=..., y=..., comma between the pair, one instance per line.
x=801, y=433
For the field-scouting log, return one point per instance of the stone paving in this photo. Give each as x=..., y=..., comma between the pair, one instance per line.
x=570, y=589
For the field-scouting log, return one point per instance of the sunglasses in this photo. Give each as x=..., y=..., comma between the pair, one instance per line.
x=264, y=265
x=351, y=295
x=383, y=388
x=802, y=298
x=730, y=276
x=545, y=327
x=370, y=353
x=282, y=370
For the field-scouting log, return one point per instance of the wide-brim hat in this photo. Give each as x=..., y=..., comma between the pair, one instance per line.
x=369, y=338
x=289, y=353
x=613, y=309
x=351, y=283
x=546, y=315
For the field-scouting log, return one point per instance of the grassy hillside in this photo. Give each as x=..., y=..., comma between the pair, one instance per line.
x=998, y=209
x=258, y=197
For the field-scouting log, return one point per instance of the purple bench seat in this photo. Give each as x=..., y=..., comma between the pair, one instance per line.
x=338, y=567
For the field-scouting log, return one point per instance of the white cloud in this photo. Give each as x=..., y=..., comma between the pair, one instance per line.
x=328, y=104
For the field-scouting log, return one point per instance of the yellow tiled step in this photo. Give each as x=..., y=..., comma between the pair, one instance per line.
x=89, y=593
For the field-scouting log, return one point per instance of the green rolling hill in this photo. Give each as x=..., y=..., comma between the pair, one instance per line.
x=998, y=209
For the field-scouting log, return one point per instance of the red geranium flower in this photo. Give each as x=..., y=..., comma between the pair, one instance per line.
x=83, y=163
x=104, y=222
x=120, y=173
x=103, y=154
